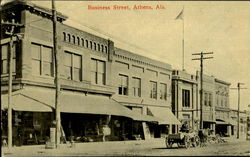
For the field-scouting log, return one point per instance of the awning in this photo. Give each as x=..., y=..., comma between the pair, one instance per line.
x=164, y=115
x=221, y=122
x=22, y=102
x=73, y=102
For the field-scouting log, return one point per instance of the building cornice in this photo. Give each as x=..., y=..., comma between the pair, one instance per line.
x=26, y=5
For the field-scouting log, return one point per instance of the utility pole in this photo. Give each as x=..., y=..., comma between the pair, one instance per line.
x=238, y=113
x=201, y=81
x=11, y=33
x=57, y=83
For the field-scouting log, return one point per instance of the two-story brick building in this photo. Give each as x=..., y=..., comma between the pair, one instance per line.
x=95, y=84
x=144, y=85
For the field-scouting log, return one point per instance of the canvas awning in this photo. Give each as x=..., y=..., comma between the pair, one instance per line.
x=21, y=102
x=221, y=122
x=164, y=115
x=73, y=102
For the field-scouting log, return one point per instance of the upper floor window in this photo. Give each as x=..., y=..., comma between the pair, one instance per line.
x=98, y=72
x=74, y=39
x=72, y=66
x=91, y=45
x=87, y=43
x=42, y=60
x=153, y=90
x=185, y=98
x=82, y=42
x=163, y=91
x=106, y=49
x=78, y=41
x=136, y=83
x=209, y=99
x=64, y=36
x=205, y=99
x=69, y=38
x=4, y=59
x=98, y=46
x=94, y=46
x=123, y=85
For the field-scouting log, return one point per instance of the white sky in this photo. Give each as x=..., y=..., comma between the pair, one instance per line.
x=221, y=27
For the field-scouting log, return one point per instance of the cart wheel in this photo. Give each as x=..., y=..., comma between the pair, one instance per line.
x=196, y=141
x=187, y=142
x=167, y=142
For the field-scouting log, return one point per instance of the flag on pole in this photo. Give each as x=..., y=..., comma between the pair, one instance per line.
x=180, y=15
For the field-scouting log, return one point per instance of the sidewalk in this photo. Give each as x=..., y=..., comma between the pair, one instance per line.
x=234, y=139
x=94, y=148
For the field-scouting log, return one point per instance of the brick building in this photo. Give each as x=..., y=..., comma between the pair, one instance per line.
x=97, y=82
x=144, y=85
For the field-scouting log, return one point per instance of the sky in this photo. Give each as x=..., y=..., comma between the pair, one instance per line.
x=209, y=26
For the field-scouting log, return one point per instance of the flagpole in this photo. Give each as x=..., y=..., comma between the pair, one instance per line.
x=183, y=40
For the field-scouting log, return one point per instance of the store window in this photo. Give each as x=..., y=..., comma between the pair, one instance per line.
x=163, y=91
x=123, y=85
x=185, y=98
x=4, y=59
x=136, y=83
x=153, y=90
x=98, y=72
x=72, y=66
x=42, y=60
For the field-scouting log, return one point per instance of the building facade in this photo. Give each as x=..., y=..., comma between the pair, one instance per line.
x=144, y=85
x=185, y=103
x=222, y=108
x=96, y=87
x=243, y=123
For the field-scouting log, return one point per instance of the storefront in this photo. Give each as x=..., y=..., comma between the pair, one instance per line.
x=166, y=120
x=222, y=127
x=83, y=117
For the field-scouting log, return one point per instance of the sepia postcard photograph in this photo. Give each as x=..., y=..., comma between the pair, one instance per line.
x=125, y=78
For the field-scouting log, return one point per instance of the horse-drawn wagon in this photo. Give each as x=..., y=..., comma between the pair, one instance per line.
x=183, y=139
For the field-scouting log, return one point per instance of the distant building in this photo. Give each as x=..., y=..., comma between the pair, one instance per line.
x=208, y=109
x=222, y=109
x=243, y=123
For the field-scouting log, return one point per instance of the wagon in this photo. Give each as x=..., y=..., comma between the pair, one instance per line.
x=182, y=139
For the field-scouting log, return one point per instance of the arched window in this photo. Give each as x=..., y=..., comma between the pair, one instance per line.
x=74, y=39
x=87, y=43
x=68, y=37
x=102, y=48
x=94, y=46
x=78, y=41
x=106, y=49
x=64, y=36
x=91, y=46
x=98, y=45
x=82, y=41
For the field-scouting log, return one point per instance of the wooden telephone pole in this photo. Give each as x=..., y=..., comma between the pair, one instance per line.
x=57, y=83
x=12, y=34
x=238, y=113
x=201, y=82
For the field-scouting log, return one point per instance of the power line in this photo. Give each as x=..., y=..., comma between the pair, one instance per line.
x=201, y=54
x=238, y=115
